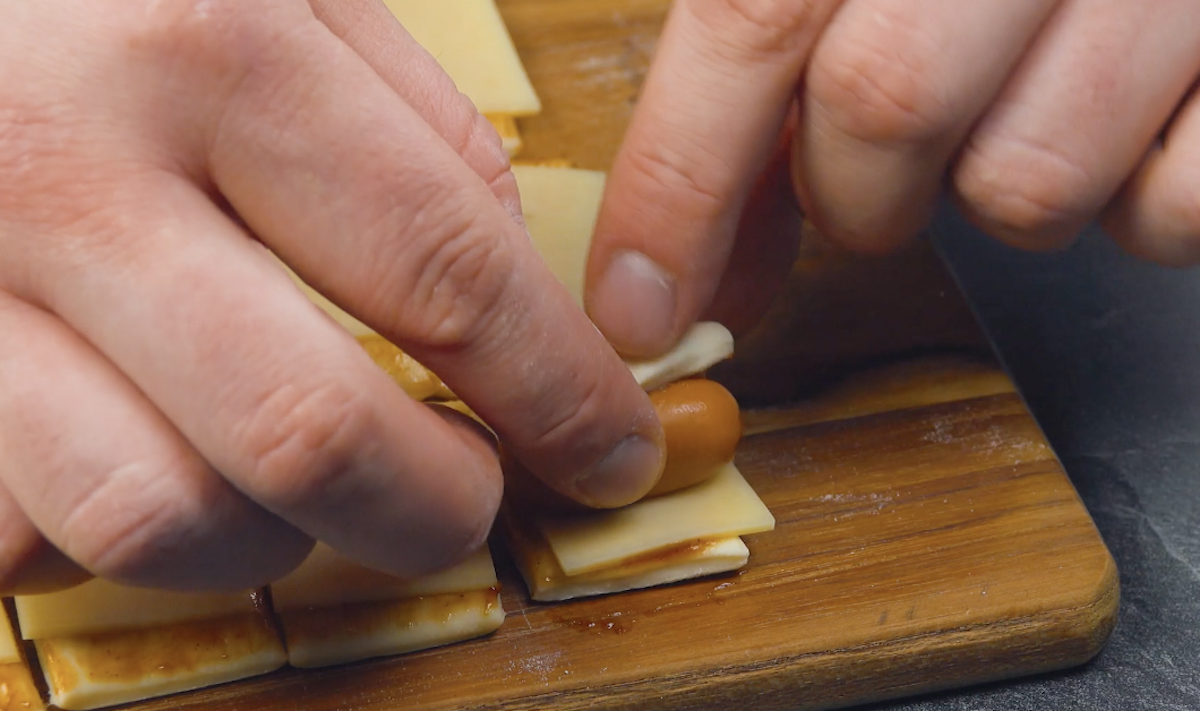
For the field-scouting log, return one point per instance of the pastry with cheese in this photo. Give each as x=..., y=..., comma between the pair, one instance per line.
x=17, y=690
x=335, y=611
x=102, y=644
x=691, y=522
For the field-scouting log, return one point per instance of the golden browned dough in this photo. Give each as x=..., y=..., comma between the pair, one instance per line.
x=418, y=381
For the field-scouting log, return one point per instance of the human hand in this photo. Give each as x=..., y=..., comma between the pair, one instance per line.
x=175, y=413
x=1037, y=115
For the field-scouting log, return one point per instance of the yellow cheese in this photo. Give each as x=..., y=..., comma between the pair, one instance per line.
x=329, y=578
x=354, y=326
x=547, y=581
x=469, y=40
x=510, y=135
x=98, y=606
x=348, y=633
x=9, y=652
x=722, y=507
x=560, y=207
x=108, y=668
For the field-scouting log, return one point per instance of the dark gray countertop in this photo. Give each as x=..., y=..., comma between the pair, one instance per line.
x=1106, y=351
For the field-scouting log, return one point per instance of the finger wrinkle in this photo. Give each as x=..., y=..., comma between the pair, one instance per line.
x=1024, y=184
x=879, y=92
x=460, y=271
x=678, y=172
x=133, y=520
x=301, y=443
x=761, y=31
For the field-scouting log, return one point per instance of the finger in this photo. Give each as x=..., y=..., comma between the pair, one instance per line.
x=1077, y=117
x=396, y=229
x=765, y=248
x=711, y=109
x=281, y=400
x=373, y=32
x=110, y=482
x=1157, y=214
x=892, y=89
x=473, y=434
x=29, y=564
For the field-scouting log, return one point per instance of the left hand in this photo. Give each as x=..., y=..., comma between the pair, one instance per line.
x=1038, y=115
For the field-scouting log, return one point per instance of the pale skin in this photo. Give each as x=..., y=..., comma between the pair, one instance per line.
x=176, y=414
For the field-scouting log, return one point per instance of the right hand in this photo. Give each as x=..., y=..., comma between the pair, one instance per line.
x=174, y=412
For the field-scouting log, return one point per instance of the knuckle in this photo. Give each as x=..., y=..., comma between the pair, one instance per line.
x=300, y=443
x=761, y=28
x=218, y=44
x=671, y=175
x=880, y=88
x=568, y=414
x=208, y=29
x=1022, y=189
x=125, y=539
x=474, y=138
x=457, y=270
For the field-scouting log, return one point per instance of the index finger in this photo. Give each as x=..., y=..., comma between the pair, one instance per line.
x=397, y=228
x=711, y=112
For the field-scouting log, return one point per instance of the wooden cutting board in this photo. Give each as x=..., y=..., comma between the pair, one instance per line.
x=927, y=535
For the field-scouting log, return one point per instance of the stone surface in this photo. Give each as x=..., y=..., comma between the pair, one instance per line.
x=1107, y=352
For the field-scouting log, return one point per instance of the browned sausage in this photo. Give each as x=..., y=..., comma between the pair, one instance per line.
x=702, y=426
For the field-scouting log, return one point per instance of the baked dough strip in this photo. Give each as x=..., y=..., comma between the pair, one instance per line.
x=335, y=611
x=17, y=689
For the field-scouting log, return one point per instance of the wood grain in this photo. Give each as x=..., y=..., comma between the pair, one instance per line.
x=927, y=535
x=917, y=548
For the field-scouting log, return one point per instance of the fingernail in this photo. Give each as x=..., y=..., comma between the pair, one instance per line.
x=634, y=304
x=624, y=475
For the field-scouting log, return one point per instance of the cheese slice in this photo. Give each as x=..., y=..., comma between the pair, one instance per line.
x=354, y=326
x=469, y=40
x=99, y=606
x=107, y=668
x=560, y=207
x=9, y=652
x=510, y=135
x=348, y=633
x=547, y=581
x=17, y=690
x=329, y=578
x=721, y=507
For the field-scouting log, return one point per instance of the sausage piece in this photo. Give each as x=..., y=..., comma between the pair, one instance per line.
x=702, y=425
